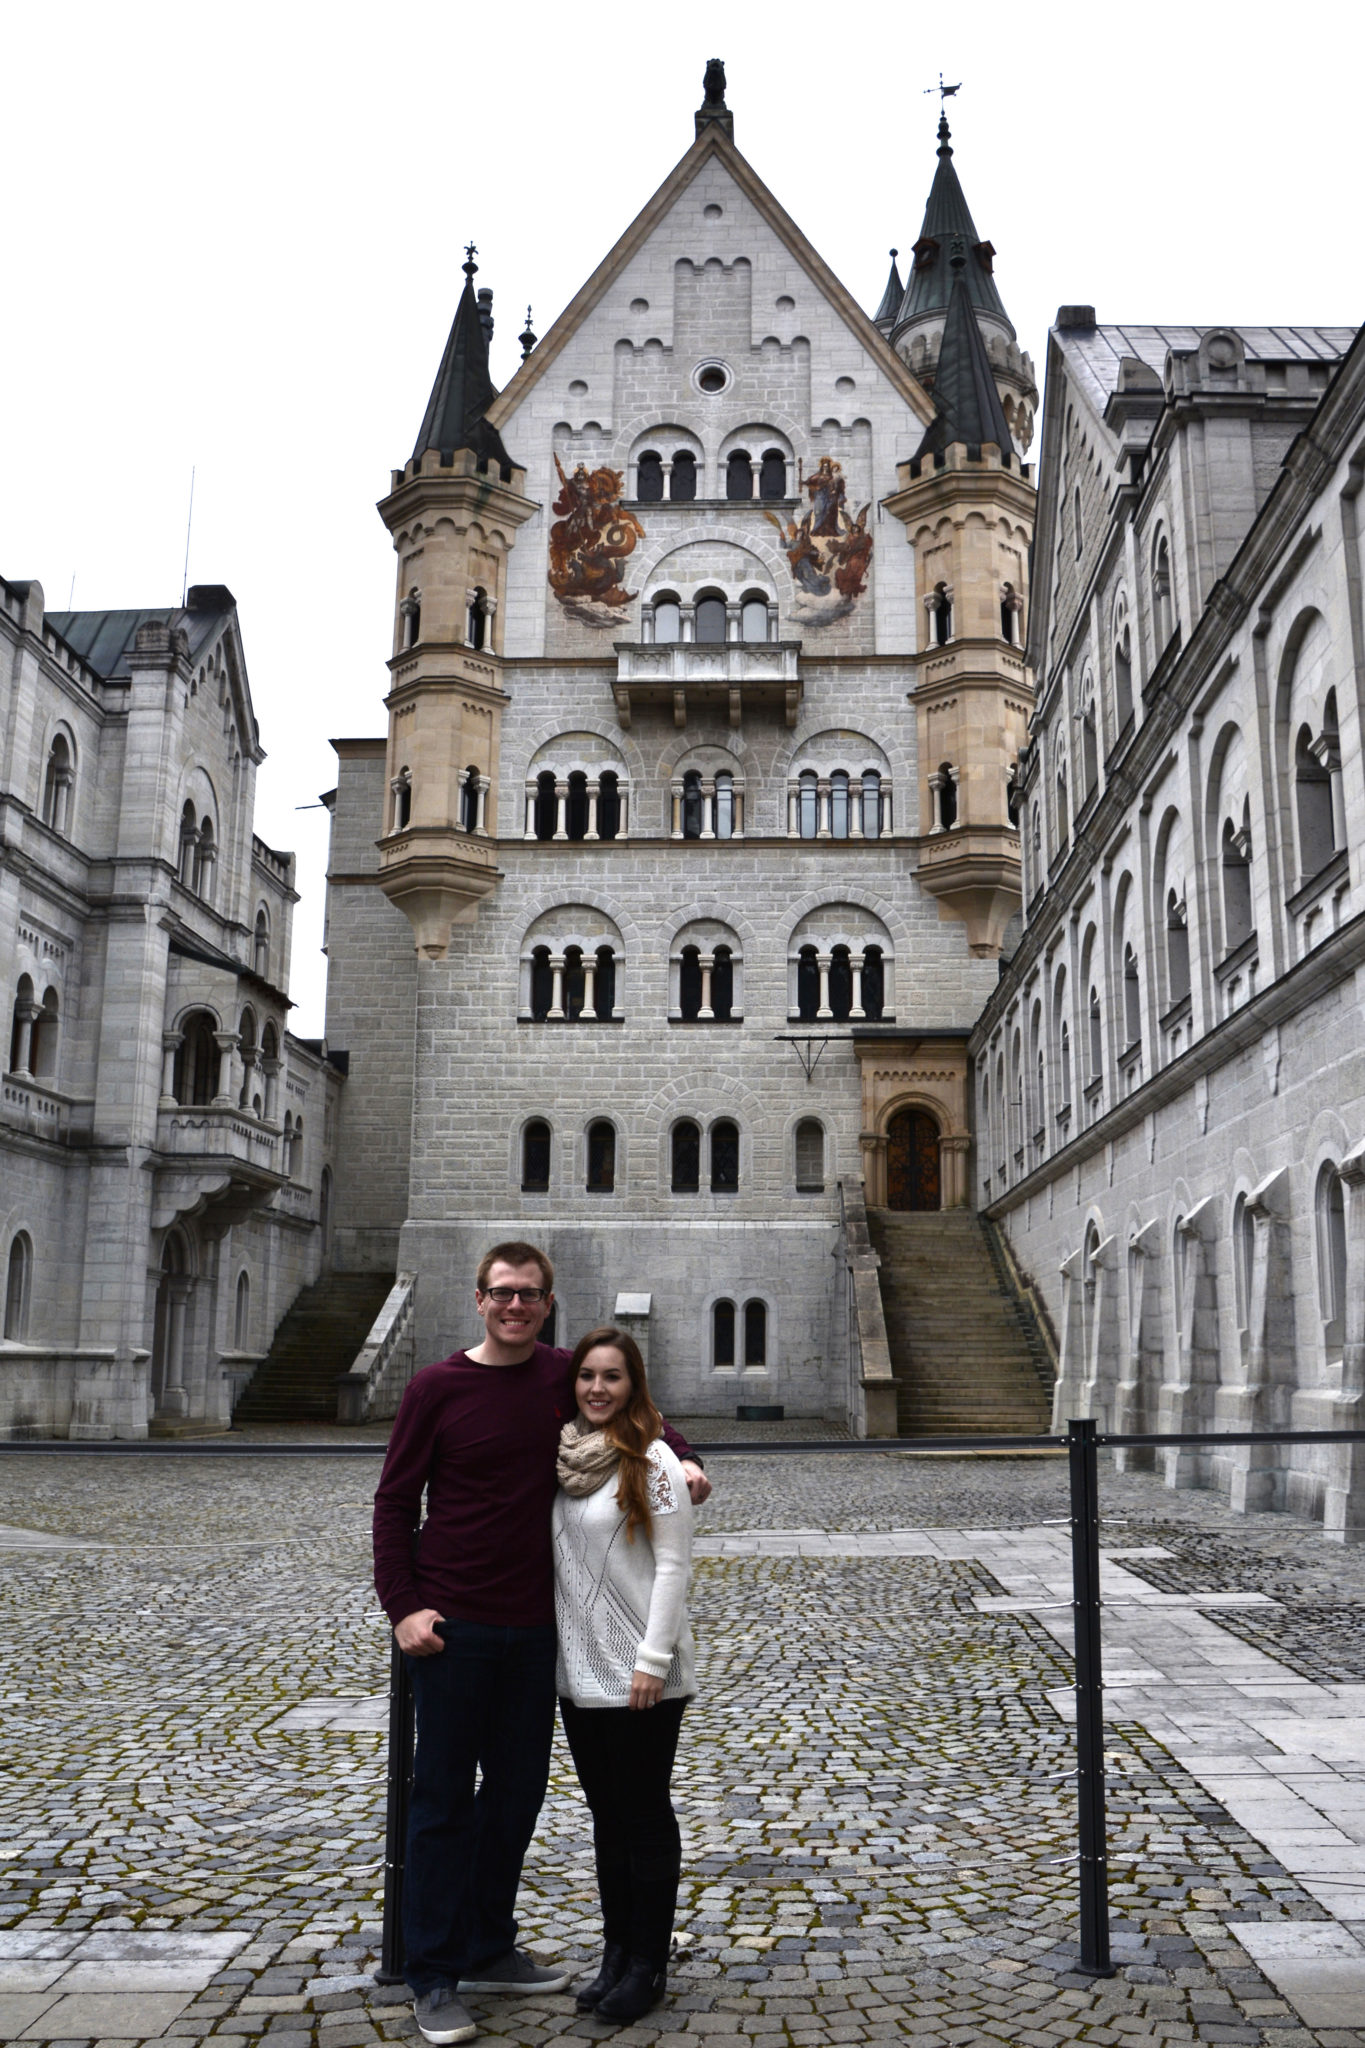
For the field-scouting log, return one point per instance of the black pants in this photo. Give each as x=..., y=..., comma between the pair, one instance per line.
x=624, y=1761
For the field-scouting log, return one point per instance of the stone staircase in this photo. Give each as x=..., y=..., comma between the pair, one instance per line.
x=313, y=1346
x=965, y=1353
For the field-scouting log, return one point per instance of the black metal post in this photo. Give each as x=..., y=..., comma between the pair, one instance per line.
x=401, y=1732
x=1085, y=1576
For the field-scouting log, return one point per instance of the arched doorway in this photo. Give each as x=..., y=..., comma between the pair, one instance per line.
x=168, y=1330
x=912, y=1170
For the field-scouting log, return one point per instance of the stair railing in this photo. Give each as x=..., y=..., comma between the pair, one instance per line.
x=871, y=1382
x=1026, y=1293
x=371, y=1390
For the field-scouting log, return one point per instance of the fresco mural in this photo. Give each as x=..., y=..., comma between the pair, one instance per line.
x=829, y=551
x=589, y=543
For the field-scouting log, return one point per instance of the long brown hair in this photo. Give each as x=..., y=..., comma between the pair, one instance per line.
x=632, y=1429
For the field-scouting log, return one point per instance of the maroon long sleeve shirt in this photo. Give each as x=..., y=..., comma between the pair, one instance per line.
x=482, y=1441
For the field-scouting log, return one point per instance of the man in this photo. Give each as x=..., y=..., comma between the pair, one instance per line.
x=472, y=1607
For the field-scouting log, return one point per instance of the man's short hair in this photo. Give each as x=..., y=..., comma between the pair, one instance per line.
x=515, y=1254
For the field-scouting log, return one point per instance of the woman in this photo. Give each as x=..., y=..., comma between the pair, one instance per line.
x=623, y=1558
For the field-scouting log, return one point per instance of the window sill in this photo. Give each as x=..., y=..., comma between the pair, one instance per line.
x=1178, y=1013
x=819, y=1024
x=1094, y=1089
x=1225, y=968
x=555, y=1023
x=1317, y=885
x=810, y=1187
x=704, y=1021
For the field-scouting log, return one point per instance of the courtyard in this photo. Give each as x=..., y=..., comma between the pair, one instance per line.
x=875, y=1787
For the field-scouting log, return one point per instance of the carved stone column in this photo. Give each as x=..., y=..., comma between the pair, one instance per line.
x=561, y=810
x=171, y=1042
x=556, y=1009
x=229, y=1069
x=531, y=794
x=706, y=961
x=594, y=791
x=824, y=1012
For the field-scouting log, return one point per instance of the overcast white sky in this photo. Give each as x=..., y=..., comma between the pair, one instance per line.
x=233, y=238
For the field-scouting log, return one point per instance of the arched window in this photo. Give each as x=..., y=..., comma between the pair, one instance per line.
x=1243, y=1258
x=872, y=804
x=710, y=619
x=1132, y=998
x=1163, y=600
x=411, y=609
x=575, y=983
x=547, y=804
x=1077, y=527
x=402, y=799
x=808, y=804
x=18, y=1284
x=601, y=1157
x=1313, y=801
x=840, y=984
x=683, y=482
x=535, y=1157
x=189, y=843
x=576, y=811
x=1237, y=881
x=1096, y=1036
x=1330, y=1217
x=296, y=1150
x=1064, y=1062
x=604, y=984
x=1123, y=674
x=689, y=982
x=195, y=1080
x=44, y=1061
x=685, y=1143
x=838, y=805
x=946, y=794
x=943, y=615
x=260, y=946
x=724, y=1157
x=649, y=478
x=753, y=619
x=691, y=804
x=739, y=474
x=287, y=1145
x=476, y=623
x=205, y=861
x=772, y=475
x=1011, y=614
x=469, y=799
x=241, y=1320
x=57, y=781
x=667, y=621
x=807, y=984
x=755, y=1335
x=725, y=805
x=723, y=1336
x=1090, y=750
x=21, y=1032
x=723, y=985
x=874, y=984
x=810, y=1157
x=542, y=984
x=1177, y=949
x=608, y=805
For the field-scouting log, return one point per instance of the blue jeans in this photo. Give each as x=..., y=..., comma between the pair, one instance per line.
x=486, y=1704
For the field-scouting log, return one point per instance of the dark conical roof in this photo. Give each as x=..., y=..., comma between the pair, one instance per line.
x=947, y=218
x=463, y=390
x=885, y=314
x=969, y=407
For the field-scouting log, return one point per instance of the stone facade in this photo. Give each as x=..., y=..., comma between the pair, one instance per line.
x=643, y=840
x=1170, y=1079
x=164, y=1141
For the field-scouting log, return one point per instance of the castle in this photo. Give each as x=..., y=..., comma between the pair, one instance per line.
x=796, y=816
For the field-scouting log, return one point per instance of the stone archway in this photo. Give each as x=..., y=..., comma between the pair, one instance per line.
x=168, y=1330
x=913, y=1177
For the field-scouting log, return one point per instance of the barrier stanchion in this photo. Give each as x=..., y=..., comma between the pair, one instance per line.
x=401, y=1732
x=1085, y=1579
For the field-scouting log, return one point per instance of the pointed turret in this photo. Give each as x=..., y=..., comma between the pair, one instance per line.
x=948, y=219
x=969, y=408
x=885, y=315
x=463, y=390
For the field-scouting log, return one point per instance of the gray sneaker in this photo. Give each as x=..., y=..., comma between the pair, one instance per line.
x=517, y=1973
x=441, y=2017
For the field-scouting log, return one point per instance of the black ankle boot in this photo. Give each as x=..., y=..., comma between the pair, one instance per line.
x=615, y=1959
x=639, y=1990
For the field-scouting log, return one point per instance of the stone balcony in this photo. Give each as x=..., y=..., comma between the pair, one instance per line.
x=732, y=677
x=39, y=1111
x=214, y=1162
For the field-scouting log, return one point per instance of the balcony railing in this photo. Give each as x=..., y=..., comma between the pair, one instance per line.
x=32, y=1107
x=209, y=1132
x=737, y=676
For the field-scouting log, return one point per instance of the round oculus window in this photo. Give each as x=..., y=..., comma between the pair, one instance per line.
x=711, y=378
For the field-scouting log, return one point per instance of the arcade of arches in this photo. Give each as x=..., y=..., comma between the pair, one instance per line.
x=915, y=1138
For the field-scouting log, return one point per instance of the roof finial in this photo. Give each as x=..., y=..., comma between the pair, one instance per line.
x=469, y=266
x=713, y=107
x=945, y=92
x=526, y=337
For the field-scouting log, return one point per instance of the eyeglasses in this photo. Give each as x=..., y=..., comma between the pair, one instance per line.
x=502, y=1295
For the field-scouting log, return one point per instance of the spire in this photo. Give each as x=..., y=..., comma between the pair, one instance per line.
x=969, y=407
x=463, y=390
x=947, y=216
x=885, y=315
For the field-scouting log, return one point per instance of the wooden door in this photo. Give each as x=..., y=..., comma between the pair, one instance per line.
x=912, y=1176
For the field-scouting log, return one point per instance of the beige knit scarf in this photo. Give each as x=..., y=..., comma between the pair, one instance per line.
x=587, y=1457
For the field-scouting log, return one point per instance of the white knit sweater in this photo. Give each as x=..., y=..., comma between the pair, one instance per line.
x=622, y=1607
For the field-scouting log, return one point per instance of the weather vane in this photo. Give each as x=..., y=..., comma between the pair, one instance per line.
x=945, y=92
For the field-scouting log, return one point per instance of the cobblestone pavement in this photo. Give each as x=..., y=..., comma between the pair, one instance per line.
x=875, y=1789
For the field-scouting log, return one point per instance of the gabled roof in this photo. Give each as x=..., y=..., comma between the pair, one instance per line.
x=948, y=219
x=103, y=640
x=968, y=402
x=1096, y=352
x=712, y=141
x=463, y=391
x=891, y=298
